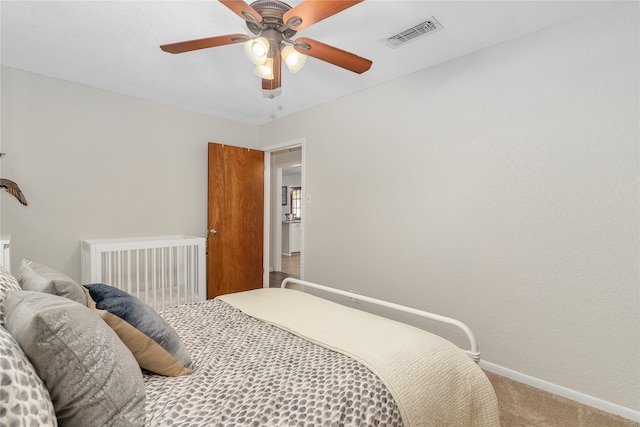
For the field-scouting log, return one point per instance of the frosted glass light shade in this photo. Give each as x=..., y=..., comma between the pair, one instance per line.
x=265, y=70
x=256, y=50
x=294, y=59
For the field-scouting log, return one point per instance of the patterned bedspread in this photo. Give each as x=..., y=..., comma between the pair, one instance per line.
x=433, y=382
x=250, y=373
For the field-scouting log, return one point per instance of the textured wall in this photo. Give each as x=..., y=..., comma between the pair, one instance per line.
x=500, y=188
x=95, y=164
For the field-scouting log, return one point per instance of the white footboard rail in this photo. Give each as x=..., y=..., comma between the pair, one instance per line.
x=161, y=270
x=472, y=352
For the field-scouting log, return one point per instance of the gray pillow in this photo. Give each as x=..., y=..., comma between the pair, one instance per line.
x=24, y=399
x=7, y=283
x=93, y=379
x=37, y=277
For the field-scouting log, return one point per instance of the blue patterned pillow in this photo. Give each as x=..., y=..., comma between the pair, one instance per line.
x=153, y=342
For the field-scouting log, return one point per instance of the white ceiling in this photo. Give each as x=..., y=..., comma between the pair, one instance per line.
x=113, y=45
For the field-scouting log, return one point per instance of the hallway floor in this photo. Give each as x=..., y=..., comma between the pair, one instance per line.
x=291, y=264
x=290, y=268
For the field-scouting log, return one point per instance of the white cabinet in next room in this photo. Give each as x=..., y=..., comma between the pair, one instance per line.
x=291, y=233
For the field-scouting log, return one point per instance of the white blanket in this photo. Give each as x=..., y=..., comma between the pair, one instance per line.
x=433, y=382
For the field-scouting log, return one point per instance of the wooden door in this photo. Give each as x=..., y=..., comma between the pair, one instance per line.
x=235, y=219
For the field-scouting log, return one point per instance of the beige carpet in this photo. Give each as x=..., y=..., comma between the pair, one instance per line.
x=522, y=405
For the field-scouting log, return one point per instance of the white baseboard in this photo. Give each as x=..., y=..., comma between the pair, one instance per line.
x=576, y=396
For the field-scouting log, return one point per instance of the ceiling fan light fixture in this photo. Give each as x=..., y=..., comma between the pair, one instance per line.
x=265, y=70
x=274, y=23
x=257, y=50
x=294, y=59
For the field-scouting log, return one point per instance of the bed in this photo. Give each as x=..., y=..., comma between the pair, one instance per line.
x=268, y=357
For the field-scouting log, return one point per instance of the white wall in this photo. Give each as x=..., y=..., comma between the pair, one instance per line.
x=96, y=164
x=500, y=188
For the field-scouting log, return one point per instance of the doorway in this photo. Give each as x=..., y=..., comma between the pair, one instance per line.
x=284, y=212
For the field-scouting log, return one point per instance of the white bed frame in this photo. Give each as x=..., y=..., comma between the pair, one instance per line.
x=472, y=352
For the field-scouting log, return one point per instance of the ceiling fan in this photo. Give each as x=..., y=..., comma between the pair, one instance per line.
x=274, y=23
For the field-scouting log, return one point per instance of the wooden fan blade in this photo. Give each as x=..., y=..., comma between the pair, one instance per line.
x=277, y=74
x=333, y=55
x=190, y=45
x=312, y=11
x=243, y=10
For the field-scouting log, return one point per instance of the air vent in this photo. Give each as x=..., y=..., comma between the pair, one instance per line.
x=429, y=26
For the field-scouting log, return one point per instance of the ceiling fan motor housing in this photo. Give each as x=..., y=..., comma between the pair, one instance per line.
x=272, y=13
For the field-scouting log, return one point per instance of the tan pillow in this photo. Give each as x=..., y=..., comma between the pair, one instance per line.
x=149, y=354
x=153, y=342
x=37, y=277
x=92, y=377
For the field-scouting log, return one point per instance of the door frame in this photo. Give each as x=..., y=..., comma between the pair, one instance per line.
x=300, y=142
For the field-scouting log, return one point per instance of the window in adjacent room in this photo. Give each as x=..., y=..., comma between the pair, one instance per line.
x=296, y=202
